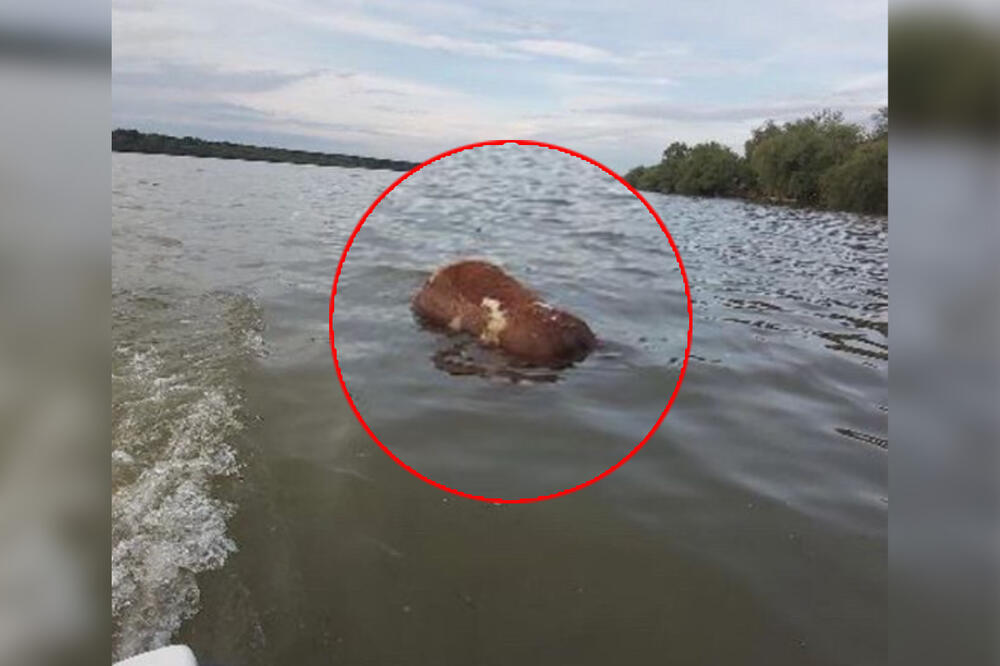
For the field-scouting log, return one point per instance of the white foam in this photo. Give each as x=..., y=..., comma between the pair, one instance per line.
x=170, y=445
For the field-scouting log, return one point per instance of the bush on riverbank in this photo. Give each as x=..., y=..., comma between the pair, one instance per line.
x=818, y=161
x=859, y=184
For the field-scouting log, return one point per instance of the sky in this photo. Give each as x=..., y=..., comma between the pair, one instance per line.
x=408, y=79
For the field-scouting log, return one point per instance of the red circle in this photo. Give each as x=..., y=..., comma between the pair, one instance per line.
x=567, y=491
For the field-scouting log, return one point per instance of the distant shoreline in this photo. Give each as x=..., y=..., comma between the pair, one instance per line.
x=134, y=141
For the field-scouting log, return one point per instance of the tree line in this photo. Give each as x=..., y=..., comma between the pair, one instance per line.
x=134, y=141
x=819, y=161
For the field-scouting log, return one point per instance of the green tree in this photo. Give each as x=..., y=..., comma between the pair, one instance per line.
x=880, y=124
x=634, y=176
x=709, y=169
x=789, y=163
x=671, y=168
x=765, y=131
x=820, y=160
x=861, y=183
x=645, y=178
x=676, y=152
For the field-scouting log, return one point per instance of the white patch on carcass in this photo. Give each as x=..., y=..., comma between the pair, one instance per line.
x=496, y=321
x=541, y=305
x=456, y=323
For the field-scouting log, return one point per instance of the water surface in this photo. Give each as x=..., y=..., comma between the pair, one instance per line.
x=254, y=519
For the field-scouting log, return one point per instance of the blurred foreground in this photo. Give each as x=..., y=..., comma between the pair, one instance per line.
x=54, y=282
x=944, y=172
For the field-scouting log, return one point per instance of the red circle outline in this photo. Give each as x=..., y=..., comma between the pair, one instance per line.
x=628, y=456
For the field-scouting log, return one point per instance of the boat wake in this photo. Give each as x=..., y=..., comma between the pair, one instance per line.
x=176, y=411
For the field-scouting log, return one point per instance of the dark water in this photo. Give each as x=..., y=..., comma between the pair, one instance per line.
x=255, y=519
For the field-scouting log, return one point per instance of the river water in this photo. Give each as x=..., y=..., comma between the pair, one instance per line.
x=254, y=519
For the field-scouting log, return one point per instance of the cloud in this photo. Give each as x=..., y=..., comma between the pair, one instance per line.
x=145, y=39
x=384, y=30
x=877, y=82
x=778, y=110
x=204, y=79
x=429, y=117
x=137, y=32
x=567, y=50
x=408, y=78
x=360, y=25
x=617, y=80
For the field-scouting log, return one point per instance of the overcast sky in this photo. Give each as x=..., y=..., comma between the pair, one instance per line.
x=408, y=79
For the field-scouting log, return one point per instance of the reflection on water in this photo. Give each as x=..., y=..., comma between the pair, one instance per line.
x=749, y=529
x=467, y=357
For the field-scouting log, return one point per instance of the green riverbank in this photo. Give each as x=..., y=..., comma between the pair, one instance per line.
x=820, y=161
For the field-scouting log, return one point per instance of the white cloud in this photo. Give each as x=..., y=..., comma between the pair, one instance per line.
x=380, y=29
x=873, y=82
x=409, y=79
x=777, y=109
x=430, y=116
x=567, y=51
x=616, y=81
x=144, y=39
x=360, y=25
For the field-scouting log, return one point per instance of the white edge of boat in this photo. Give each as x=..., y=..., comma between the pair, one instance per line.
x=172, y=655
